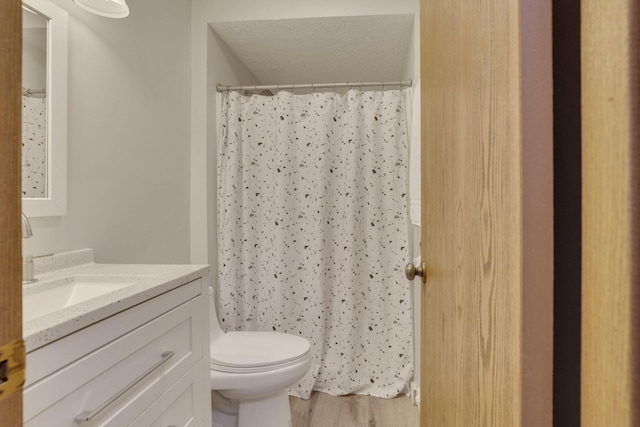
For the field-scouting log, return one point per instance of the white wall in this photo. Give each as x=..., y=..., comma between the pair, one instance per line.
x=129, y=137
x=223, y=66
x=412, y=68
x=34, y=51
x=34, y=58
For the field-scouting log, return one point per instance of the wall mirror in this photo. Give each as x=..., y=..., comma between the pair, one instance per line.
x=44, y=108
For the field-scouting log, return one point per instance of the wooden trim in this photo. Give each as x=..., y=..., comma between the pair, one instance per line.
x=611, y=239
x=10, y=238
x=537, y=213
x=634, y=132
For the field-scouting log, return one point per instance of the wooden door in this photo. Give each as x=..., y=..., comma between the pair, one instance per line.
x=610, y=62
x=10, y=238
x=487, y=213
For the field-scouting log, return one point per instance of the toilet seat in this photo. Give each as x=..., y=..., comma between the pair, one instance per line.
x=256, y=369
x=252, y=351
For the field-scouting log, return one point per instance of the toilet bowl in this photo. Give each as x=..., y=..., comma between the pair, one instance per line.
x=251, y=373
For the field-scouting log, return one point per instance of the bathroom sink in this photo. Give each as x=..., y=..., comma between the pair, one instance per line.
x=48, y=297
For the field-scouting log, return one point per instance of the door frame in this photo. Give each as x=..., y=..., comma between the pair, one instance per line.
x=536, y=47
x=610, y=64
x=10, y=191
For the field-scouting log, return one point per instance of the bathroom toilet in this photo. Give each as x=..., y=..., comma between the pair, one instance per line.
x=251, y=373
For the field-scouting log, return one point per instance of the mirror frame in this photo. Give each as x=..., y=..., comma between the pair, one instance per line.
x=55, y=204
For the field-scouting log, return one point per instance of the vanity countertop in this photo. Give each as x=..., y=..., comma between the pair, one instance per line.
x=150, y=281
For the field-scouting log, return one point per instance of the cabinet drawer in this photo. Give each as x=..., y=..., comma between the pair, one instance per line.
x=54, y=356
x=94, y=379
x=181, y=406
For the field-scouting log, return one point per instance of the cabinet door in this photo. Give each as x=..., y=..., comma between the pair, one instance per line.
x=93, y=380
x=181, y=406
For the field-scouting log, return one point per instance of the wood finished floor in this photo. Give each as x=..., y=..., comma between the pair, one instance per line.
x=323, y=410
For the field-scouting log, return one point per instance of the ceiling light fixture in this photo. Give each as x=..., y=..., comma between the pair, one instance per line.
x=108, y=8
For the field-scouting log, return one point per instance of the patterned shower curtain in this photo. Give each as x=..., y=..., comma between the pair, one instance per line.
x=312, y=226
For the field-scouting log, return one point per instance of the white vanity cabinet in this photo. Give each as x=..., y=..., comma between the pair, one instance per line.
x=145, y=366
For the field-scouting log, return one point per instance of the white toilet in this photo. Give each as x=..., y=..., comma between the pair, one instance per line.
x=251, y=373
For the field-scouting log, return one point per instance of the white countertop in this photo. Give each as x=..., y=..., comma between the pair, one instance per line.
x=155, y=279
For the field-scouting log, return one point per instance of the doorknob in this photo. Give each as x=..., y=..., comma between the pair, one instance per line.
x=411, y=271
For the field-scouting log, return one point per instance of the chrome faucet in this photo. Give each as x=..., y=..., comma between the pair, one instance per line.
x=27, y=260
x=26, y=227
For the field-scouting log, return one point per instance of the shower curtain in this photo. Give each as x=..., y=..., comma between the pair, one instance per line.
x=312, y=226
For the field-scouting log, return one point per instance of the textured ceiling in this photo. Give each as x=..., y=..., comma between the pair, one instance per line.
x=322, y=50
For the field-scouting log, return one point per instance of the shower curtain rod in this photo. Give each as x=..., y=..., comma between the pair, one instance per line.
x=226, y=88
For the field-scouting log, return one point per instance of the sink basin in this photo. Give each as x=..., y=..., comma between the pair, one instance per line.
x=45, y=298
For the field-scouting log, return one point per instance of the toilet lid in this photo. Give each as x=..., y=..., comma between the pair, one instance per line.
x=257, y=349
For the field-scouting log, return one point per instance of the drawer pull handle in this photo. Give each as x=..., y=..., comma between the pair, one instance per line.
x=85, y=416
